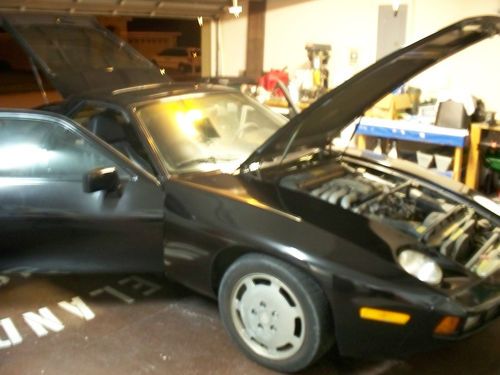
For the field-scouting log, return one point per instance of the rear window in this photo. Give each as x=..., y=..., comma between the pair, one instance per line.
x=79, y=48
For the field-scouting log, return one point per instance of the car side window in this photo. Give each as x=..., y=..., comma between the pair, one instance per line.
x=112, y=127
x=44, y=149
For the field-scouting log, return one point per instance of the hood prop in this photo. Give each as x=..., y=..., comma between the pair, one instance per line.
x=293, y=107
x=39, y=81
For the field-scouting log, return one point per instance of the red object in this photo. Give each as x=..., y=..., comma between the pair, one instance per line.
x=268, y=81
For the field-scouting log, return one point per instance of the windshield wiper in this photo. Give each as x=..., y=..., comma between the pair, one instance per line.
x=210, y=159
x=189, y=162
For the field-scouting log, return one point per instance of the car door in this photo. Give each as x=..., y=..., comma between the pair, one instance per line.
x=47, y=219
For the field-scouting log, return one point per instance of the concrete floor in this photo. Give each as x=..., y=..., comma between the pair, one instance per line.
x=145, y=324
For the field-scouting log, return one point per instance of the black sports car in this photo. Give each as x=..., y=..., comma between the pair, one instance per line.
x=303, y=245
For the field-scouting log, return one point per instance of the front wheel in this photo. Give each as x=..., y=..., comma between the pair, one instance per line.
x=276, y=313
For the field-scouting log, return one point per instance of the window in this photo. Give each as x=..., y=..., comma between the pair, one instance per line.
x=113, y=128
x=207, y=131
x=66, y=47
x=37, y=148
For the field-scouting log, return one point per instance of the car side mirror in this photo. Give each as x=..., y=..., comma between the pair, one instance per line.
x=102, y=179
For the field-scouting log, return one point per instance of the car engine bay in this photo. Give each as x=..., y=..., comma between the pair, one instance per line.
x=440, y=224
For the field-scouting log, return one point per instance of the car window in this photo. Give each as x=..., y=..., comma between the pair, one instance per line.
x=83, y=115
x=113, y=128
x=63, y=47
x=38, y=148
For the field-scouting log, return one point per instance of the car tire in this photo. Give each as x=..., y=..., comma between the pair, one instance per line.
x=276, y=313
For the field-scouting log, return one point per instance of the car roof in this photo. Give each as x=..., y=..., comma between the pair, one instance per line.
x=135, y=94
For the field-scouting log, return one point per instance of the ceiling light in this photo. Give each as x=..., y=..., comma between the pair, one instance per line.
x=235, y=9
x=395, y=6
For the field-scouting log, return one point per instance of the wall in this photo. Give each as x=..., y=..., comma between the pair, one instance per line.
x=352, y=25
x=343, y=24
x=208, y=48
x=233, y=43
x=474, y=70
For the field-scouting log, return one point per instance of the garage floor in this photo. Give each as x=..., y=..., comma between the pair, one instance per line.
x=145, y=324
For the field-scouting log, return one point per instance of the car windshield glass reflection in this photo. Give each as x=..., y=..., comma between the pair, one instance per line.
x=206, y=132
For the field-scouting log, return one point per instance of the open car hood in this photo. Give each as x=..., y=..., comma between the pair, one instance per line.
x=325, y=118
x=77, y=54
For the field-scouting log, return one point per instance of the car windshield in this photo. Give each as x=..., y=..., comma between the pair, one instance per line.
x=207, y=131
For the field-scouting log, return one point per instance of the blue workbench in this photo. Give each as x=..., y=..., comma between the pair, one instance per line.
x=415, y=131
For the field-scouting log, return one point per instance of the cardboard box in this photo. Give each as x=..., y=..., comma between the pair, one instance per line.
x=390, y=106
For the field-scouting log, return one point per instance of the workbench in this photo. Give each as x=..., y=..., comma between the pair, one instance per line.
x=415, y=131
x=474, y=161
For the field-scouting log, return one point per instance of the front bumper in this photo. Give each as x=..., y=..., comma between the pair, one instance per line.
x=476, y=307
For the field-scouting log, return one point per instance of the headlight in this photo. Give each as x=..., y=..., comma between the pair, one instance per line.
x=421, y=266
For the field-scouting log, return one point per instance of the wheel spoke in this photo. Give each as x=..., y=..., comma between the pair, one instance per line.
x=296, y=341
x=249, y=284
x=272, y=351
x=275, y=286
x=293, y=312
x=237, y=304
x=282, y=336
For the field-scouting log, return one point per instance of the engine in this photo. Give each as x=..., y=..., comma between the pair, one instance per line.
x=452, y=229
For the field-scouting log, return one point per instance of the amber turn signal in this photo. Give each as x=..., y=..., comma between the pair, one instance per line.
x=385, y=316
x=447, y=326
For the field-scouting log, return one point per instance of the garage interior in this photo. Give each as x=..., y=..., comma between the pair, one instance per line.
x=147, y=324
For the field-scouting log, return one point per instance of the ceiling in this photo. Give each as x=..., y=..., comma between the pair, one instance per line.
x=135, y=8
